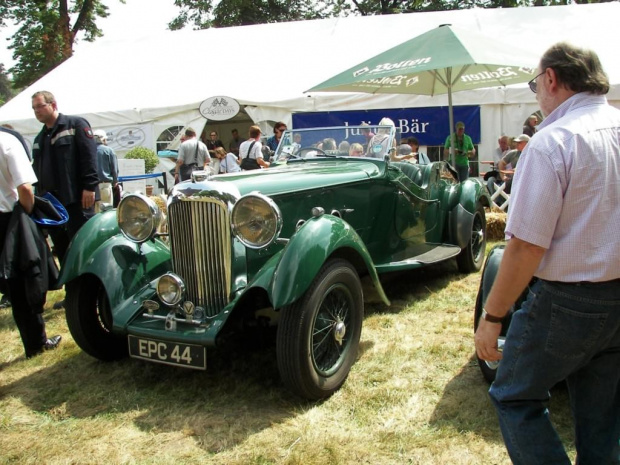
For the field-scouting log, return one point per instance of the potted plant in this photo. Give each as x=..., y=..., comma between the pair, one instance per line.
x=150, y=161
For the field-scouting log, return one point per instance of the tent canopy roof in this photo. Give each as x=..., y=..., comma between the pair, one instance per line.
x=122, y=82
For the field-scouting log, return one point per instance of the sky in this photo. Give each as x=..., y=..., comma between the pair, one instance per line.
x=134, y=18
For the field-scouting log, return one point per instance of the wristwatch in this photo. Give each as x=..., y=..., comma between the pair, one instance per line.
x=491, y=318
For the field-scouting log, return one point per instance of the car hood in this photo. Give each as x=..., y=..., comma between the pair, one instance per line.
x=289, y=177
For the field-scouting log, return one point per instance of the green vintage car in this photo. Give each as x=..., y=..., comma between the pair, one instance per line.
x=282, y=246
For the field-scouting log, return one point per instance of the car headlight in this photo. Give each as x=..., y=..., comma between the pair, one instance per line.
x=170, y=289
x=138, y=217
x=256, y=221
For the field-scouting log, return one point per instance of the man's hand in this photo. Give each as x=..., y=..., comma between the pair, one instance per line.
x=88, y=199
x=486, y=341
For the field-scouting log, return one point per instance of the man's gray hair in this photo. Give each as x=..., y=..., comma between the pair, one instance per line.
x=578, y=69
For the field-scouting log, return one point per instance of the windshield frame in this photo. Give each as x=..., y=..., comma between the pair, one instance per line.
x=292, y=146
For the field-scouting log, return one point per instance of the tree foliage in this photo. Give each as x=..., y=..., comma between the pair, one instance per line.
x=47, y=32
x=202, y=14
x=6, y=90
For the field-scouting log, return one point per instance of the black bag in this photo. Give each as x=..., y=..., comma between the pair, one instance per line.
x=249, y=163
x=185, y=171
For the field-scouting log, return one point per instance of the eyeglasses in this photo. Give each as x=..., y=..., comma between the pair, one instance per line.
x=533, y=84
x=213, y=135
x=40, y=106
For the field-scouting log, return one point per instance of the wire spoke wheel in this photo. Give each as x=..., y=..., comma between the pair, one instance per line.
x=318, y=335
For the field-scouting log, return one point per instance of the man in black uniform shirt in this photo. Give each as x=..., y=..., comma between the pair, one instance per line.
x=65, y=161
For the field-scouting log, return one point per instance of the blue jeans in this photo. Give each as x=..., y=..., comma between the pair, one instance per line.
x=463, y=172
x=563, y=331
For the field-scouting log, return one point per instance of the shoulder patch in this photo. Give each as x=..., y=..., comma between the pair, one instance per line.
x=89, y=132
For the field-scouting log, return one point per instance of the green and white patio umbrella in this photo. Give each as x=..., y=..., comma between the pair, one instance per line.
x=443, y=60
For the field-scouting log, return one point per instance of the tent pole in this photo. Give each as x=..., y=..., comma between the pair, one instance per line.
x=450, y=116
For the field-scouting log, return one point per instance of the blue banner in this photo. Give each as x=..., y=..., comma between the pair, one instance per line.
x=430, y=125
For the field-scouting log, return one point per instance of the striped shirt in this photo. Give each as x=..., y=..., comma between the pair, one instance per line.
x=566, y=192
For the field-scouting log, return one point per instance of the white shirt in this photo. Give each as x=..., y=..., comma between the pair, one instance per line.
x=189, y=155
x=15, y=170
x=566, y=192
x=257, y=150
x=229, y=164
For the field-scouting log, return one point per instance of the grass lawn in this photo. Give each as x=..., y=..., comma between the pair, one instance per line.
x=415, y=396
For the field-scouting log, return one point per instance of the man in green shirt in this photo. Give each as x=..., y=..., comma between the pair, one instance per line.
x=463, y=151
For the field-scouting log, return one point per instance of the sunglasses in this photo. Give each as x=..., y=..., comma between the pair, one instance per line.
x=533, y=84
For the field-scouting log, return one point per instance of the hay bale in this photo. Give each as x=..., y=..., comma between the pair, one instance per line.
x=496, y=223
x=160, y=201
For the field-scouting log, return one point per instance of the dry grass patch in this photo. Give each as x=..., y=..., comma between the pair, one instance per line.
x=415, y=396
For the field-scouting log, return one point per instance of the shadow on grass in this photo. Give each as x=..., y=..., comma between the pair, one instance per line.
x=403, y=287
x=239, y=395
x=465, y=406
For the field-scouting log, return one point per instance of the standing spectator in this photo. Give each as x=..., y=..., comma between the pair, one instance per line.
x=274, y=140
x=229, y=163
x=499, y=152
x=563, y=230
x=463, y=151
x=252, y=150
x=378, y=146
x=212, y=143
x=193, y=155
x=530, y=126
x=64, y=157
x=510, y=159
x=367, y=133
x=107, y=168
x=233, y=146
x=16, y=202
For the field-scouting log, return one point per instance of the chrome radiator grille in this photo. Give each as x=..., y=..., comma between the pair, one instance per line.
x=200, y=242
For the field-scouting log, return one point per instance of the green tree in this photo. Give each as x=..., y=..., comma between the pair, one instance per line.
x=6, y=89
x=48, y=30
x=202, y=14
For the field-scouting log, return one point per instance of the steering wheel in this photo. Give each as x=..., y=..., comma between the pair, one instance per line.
x=306, y=150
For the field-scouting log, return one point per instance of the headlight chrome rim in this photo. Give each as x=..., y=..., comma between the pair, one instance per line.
x=169, y=280
x=150, y=227
x=238, y=230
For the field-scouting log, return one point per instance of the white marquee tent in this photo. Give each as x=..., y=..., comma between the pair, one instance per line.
x=152, y=83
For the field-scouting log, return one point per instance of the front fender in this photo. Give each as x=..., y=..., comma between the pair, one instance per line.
x=122, y=266
x=307, y=251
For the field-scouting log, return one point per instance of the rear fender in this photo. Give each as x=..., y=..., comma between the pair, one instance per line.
x=306, y=252
x=462, y=215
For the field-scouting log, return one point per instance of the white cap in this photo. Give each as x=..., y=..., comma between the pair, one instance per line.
x=522, y=138
x=100, y=134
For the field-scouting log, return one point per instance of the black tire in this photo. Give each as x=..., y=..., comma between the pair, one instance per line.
x=488, y=369
x=472, y=256
x=90, y=320
x=312, y=362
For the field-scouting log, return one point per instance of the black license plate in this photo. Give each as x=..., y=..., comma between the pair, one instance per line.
x=170, y=353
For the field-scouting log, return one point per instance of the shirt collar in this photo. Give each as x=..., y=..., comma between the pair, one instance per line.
x=572, y=103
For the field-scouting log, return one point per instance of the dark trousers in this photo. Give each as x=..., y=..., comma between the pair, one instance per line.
x=61, y=236
x=29, y=320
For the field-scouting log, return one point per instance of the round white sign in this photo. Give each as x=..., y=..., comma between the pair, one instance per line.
x=219, y=108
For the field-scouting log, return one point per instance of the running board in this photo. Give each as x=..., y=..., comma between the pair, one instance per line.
x=435, y=255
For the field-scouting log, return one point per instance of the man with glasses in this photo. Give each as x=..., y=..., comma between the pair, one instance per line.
x=64, y=157
x=563, y=231
x=212, y=143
